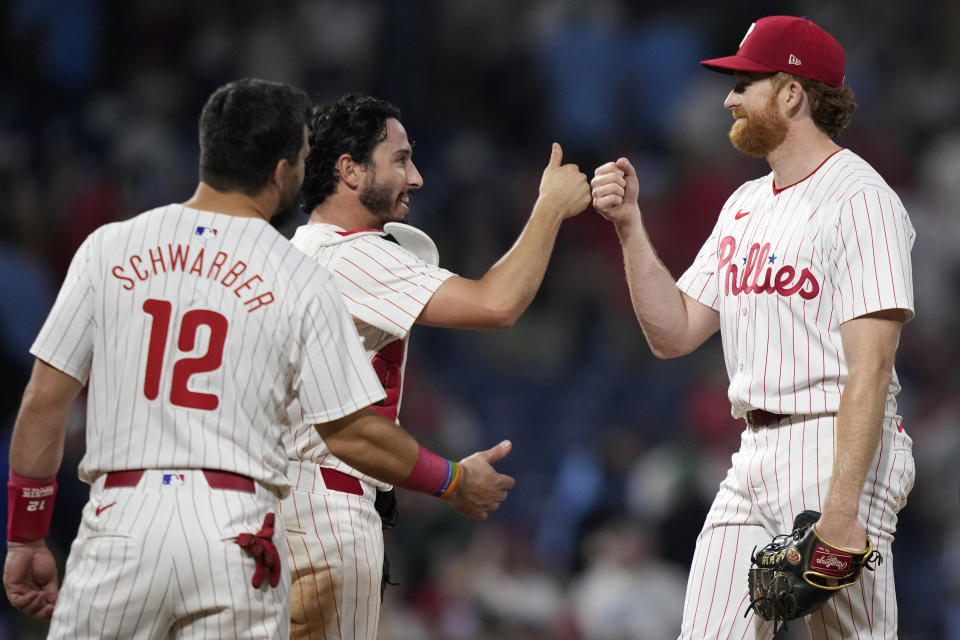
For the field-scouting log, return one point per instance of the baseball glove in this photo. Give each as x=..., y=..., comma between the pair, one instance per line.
x=798, y=572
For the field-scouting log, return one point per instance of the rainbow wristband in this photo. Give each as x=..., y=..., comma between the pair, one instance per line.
x=29, y=507
x=433, y=475
x=454, y=479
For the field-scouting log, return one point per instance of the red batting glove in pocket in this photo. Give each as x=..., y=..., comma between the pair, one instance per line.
x=261, y=547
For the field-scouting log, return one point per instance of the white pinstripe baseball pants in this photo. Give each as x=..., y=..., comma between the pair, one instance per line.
x=777, y=473
x=335, y=542
x=160, y=560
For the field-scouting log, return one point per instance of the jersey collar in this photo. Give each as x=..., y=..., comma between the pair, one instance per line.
x=777, y=191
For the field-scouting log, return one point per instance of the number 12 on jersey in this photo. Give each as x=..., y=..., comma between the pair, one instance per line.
x=180, y=395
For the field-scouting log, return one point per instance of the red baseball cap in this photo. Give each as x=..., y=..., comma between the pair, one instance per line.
x=788, y=44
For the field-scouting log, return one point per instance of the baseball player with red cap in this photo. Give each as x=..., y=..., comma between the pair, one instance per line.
x=359, y=179
x=196, y=325
x=807, y=276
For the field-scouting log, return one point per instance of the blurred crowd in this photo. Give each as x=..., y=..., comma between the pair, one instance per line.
x=616, y=454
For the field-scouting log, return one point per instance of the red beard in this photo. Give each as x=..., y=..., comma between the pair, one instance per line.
x=758, y=134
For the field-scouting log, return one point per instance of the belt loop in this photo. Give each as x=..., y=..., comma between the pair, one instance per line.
x=760, y=418
x=123, y=478
x=228, y=480
x=338, y=481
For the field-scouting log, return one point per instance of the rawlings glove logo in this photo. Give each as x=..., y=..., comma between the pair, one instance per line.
x=830, y=561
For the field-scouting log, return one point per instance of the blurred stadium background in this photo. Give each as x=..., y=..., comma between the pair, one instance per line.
x=617, y=455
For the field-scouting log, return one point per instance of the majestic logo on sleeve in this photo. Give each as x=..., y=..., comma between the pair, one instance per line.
x=759, y=264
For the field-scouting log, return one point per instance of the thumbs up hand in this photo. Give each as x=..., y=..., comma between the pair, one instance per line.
x=563, y=187
x=482, y=488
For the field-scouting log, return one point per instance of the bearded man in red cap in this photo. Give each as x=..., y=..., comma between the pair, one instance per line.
x=807, y=276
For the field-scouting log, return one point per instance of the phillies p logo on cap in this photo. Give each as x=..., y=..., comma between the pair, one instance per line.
x=747, y=34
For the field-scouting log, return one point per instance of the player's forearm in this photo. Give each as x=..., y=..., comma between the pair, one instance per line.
x=36, y=447
x=372, y=445
x=500, y=297
x=510, y=285
x=869, y=348
x=657, y=301
x=859, y=425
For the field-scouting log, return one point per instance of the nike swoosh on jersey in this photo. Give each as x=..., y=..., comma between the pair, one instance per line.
x=740, y=214
x=104, y=507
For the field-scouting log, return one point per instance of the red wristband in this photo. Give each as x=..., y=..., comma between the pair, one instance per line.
x=29, y=507
x=430, y=474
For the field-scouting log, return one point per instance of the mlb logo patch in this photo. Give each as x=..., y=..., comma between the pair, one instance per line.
x=206, y=232
x=174, y=479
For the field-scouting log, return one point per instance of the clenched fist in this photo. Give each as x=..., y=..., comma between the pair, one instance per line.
x=30, y=578
x=614, y=190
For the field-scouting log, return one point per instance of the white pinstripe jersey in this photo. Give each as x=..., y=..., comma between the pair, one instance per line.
x=196, y=331
x=385, y=288
x=786, y=267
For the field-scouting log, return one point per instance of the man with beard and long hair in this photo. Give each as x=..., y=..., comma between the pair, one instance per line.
x=197, y=324
x=359, y=178
x=807, y=276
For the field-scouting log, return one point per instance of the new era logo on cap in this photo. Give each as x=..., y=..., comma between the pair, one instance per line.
x=785, y=43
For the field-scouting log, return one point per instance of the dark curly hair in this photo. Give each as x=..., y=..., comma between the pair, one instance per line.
x=354, y=124
x=831, y=107
x=246, y=128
